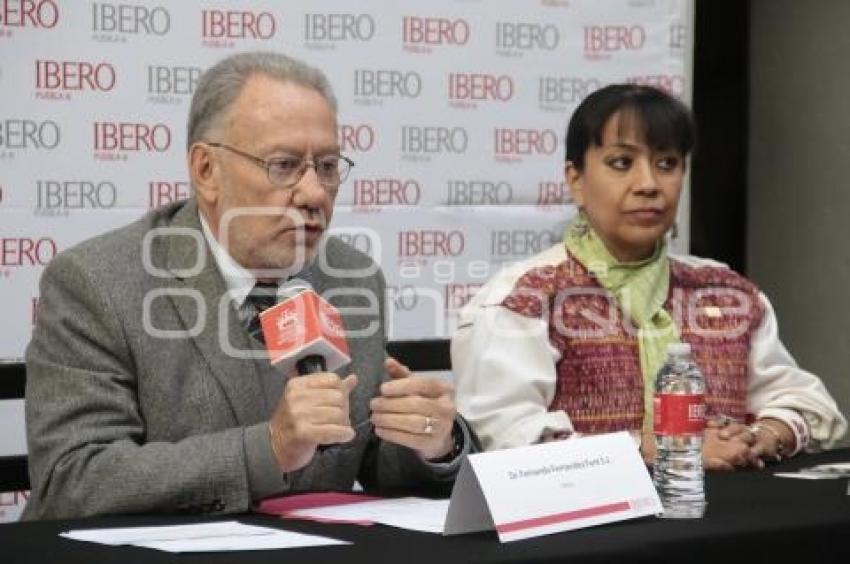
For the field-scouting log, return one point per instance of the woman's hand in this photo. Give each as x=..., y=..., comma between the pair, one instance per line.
x=723, y=448
x=773, y=439
x=729, y=447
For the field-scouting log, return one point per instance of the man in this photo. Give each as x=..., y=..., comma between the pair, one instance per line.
x=145, y=392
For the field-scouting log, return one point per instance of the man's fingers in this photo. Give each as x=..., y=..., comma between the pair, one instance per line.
x=317, y=380
x=307, y=398
x=404, y=404
x=412, y=423
x=349, y=383
x=319, y=415
x=331, y=434
x=416, y=386
x=396, y=369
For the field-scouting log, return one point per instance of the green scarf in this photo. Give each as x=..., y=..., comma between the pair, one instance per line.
x=640, y=290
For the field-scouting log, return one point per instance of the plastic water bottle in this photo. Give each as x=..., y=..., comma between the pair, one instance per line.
x=679, y=421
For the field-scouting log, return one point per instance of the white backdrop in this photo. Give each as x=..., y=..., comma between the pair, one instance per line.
x=454, y=112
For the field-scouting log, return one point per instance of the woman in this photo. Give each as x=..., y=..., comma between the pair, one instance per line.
x=569, y=342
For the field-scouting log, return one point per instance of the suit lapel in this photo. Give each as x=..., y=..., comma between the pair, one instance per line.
x=222, y=341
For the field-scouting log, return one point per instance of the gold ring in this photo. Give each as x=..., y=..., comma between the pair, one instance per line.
x=429, y=425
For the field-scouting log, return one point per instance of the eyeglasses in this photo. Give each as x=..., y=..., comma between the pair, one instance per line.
x=331, y=170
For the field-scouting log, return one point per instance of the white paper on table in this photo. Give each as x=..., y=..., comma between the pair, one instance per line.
x=200, y=537
x=829, y=471
x=803, y=475
x=275, y=540
x=413, y=513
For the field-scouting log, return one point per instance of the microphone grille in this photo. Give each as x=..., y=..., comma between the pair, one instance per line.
x=293, y=287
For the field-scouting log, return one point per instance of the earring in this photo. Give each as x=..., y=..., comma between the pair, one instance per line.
x=674, y=230
x=580, y=225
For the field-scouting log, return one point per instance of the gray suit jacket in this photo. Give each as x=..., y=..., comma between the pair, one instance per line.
x=120, y=420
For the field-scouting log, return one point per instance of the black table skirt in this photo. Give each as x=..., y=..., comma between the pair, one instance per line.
x=751, y=517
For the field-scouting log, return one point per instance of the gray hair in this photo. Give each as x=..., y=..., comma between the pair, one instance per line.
x=221, y=84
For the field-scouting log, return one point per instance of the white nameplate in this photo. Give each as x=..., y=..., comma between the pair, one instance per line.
x=551, y=487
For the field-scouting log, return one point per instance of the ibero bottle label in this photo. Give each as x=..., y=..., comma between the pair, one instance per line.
x=678, y=414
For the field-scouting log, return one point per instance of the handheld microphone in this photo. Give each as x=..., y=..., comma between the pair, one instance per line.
x=305, y=333
x=311, y=364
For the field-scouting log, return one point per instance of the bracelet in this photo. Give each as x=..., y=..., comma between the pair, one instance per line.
x=457, y=446
x=780, y=444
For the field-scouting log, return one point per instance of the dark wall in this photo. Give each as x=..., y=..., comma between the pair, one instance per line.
x=720, y=99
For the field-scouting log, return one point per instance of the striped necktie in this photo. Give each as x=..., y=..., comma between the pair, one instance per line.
x=261, y=297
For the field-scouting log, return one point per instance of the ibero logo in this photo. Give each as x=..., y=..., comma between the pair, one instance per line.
x=514, y=39
x=466, y=89
x=163, y=192
x=517, y=243
x=420, y=35
x=113, y=140
x=510, y=145
x=171, y=84
x=356, y=137
x=473, y=192
x=553, y=194
x=42, y=14
x=678, y=38
x=557, y=93
x=113, y=22
x=420, y=143
x=19, y=252
x=57, y=79
x=430, y=243
x=222, y=28
x=324, y=31
x=29, y=134
x=62, y=196
x=602, y=41
x=374, y=194
x=373, y=86
x=457, y=295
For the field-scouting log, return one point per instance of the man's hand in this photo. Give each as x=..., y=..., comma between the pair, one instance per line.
x=415, y=412
x=312, y=411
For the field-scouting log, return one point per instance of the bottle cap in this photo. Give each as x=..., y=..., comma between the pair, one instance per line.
x=678, y=349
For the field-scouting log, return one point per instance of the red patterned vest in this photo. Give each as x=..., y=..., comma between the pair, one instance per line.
x=599, y=380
